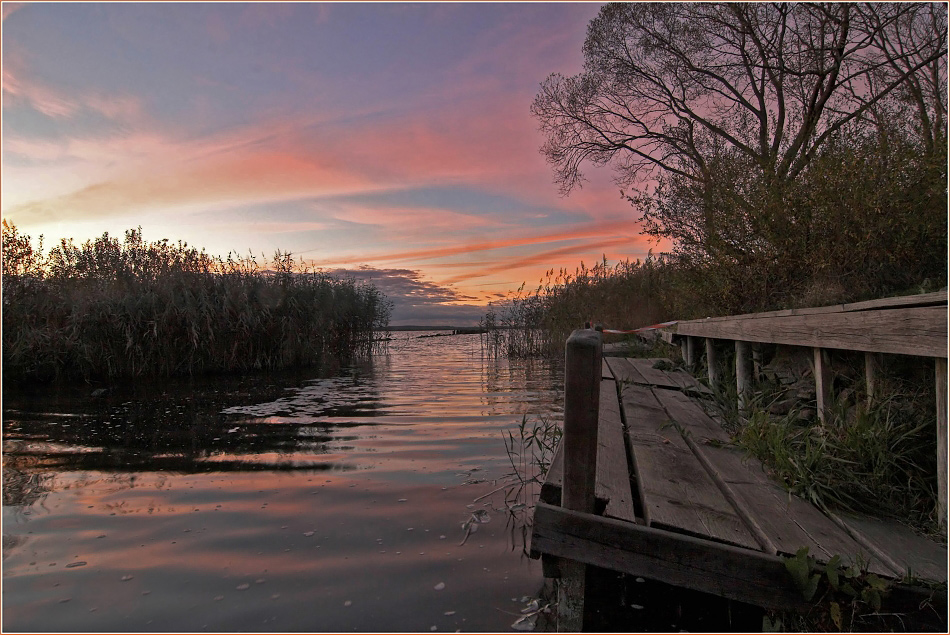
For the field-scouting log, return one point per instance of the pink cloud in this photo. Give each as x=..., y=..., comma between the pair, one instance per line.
x=574, y=233
x=547, y=258
x=11, y=7
x=55, y=103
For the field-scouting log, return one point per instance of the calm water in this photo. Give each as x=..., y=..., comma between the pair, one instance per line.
x=331, y=502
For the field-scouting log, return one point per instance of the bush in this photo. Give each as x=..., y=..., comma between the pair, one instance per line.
x=111, y=309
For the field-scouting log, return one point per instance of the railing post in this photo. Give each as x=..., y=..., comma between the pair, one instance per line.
x=872, y=369
x=689, y=351
x=942, y=442
x=711, y=363
x=822, y=383
x=743, y=372
x=582, y=373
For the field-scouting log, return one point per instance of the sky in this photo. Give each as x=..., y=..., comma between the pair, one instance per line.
x=390, y=142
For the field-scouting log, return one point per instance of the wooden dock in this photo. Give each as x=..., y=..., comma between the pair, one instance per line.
x=646, y=483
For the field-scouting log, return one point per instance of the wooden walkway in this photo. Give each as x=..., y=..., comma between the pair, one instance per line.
x=677, y=502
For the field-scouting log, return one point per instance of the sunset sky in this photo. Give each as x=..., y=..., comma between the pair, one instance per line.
x=392, y=139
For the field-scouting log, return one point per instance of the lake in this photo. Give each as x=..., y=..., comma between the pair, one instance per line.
x=343, y=499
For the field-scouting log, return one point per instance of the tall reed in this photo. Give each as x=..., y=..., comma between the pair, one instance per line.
x=626, y=295
x=109, y=309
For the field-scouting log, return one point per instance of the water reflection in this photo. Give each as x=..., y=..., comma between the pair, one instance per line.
x=328, y=487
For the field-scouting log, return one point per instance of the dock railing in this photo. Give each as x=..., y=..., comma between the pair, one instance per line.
x=913, y=325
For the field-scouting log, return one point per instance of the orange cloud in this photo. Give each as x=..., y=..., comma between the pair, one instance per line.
x=544, y=257
x=586, y=231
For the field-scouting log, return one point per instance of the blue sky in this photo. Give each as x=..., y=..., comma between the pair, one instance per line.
x=393, y=136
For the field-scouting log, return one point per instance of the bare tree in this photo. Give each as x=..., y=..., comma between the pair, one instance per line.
x=667, y=87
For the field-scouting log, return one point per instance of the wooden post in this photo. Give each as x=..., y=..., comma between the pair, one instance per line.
x=743, y=372
x=822, y=383
x=582, y=372
x=872, y=369
x=689, y=355
x=711, y=362
x=942, y=442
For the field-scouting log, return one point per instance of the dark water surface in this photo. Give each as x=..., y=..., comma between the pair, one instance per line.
x=279, y=502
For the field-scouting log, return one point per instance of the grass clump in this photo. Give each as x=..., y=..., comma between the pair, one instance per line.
x=109, y=309
x=877, y=459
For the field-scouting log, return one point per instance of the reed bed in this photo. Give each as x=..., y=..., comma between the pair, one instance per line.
x=624, y=296
x=109, y=309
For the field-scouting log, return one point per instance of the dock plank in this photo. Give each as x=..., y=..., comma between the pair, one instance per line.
x=612, y=486
x=782, y=522
x=624, y=371
x=613, y=469
x=906, y=551
x=676, y=491
x=655, y=376
x=878, y=331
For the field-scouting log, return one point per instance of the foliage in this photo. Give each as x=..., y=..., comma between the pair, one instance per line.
x=876, y=459
x=866, y=218
x=109, y=309
x=538, y=323
x=849, y=594
x=667, y=87
x=794, y=154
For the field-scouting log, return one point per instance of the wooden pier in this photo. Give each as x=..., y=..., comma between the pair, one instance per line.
x=645, y=482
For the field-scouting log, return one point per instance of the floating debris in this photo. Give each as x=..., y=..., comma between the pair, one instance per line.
x=308, y=533
x=126, y=578
x=73, y=565
x=243, y=587
x=470, y=526
x=439, y=586
x=348, y=603
x=449, y=613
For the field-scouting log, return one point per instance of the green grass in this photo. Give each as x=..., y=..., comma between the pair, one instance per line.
x=109, y=309
x=879, y=460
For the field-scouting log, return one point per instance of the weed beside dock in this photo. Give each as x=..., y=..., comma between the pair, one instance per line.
x=111, y=309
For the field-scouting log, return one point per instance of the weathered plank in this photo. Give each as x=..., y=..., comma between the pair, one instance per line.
x=684, y=561
x=612, y=486
x=641, y=371
x=907, y=301
x=904, y=551
x=605, y=372
x=613, y=470
x=675, y=489
x=781, y=522
x=655, y=376
x=624, y=371
x=884, y=331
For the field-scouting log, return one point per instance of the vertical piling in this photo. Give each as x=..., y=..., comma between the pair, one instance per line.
x=941, y=376
x=711, y=363
x=822, y=383
x=582, y=372
x=872, y=370
x=743, y=372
